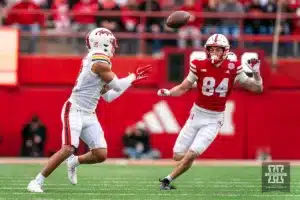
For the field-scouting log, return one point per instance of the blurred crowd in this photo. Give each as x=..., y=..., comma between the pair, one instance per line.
x=60, y=19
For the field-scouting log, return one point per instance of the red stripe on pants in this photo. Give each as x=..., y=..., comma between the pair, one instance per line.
x=67, y=124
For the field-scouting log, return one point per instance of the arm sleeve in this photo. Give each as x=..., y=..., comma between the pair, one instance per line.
x=122, y=84
x=192, y=76
x=115, y=84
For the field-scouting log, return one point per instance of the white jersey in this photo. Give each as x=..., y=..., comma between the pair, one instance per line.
x=86, y=92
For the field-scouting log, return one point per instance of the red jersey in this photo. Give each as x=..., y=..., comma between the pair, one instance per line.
x=214, y=84
x=25, y=18
x=85, y=10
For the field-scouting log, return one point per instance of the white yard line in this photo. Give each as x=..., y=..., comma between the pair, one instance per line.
x=161, y=162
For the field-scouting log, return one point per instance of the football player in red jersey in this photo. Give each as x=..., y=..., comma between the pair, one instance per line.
x=215, y=76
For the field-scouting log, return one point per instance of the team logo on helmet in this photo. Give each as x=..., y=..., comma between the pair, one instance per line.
x=104, y=31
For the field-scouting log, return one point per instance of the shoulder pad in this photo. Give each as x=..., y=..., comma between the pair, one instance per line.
x=231, y=57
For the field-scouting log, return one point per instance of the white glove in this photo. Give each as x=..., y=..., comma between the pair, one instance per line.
x=250, y=62
x=163, y=92
x=254, y=64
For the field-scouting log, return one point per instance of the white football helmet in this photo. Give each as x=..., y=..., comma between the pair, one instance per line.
x=217, y=40
x=101, y=39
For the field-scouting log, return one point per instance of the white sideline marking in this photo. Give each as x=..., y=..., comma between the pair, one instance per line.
x=107, y=182
x=68, y=186
x=101, y=181
x=161, y=162
x=148, y=183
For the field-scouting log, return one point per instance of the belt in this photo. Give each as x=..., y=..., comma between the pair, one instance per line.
x=80, y=110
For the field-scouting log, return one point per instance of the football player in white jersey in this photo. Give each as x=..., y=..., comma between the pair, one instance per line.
x=95, y=80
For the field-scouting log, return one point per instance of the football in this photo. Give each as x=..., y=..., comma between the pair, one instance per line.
x=178, y=19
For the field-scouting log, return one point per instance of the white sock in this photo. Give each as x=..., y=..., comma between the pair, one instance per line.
x=169, y=178
x=74, y=161
x=40, y=179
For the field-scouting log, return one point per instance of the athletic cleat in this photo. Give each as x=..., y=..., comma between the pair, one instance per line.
x=165, y=184
x=72, y=171
x=33, y=186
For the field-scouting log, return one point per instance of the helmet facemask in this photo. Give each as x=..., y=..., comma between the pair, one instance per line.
x=111, y=48
x=216, y=53
x=217, y=48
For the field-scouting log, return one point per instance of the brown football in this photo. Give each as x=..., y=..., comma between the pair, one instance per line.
x=178, y=19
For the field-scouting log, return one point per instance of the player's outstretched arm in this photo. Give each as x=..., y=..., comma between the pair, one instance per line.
x=103, y=70
x=110, y=95
x=254, y=84
x=178, y=90
x=141, y=73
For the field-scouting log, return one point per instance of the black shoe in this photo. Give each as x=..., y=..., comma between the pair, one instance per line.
x=165, y=184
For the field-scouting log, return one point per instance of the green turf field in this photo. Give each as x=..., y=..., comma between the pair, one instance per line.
x=141, y=183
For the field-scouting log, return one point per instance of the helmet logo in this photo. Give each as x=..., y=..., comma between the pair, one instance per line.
x=102, y=32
